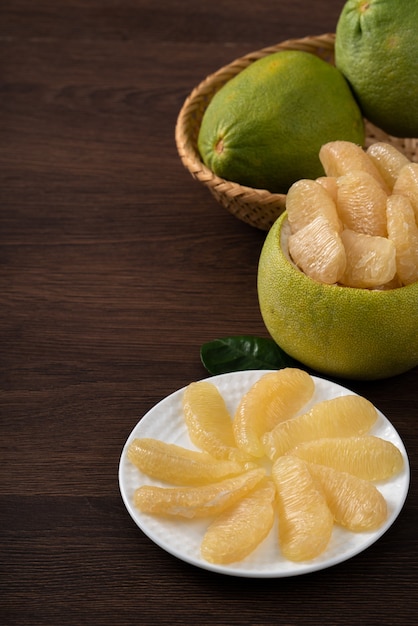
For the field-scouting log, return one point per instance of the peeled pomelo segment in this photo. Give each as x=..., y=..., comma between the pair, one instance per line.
x=318, y=251
x=403, y=231
x=342, y=157
x=305, y=521
x=330, y=184
x=275, y=397
x=240, y=529
x=307, y=199
x=209, y=422
x=407, y=185
x=367, y=457
x=355, y=504
x=196, y=502
x=361, y=203
x=343, y=416
x=371, y=261
x=388, y=160
x=178, y=465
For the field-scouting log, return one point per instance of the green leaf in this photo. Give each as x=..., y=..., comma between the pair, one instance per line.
x=244, y=352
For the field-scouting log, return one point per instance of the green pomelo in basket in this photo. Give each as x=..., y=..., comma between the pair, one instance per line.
x=376, y=48
x=338, y=331
x=264, y=127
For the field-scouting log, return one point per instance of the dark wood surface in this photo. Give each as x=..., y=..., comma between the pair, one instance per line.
x=115, y=266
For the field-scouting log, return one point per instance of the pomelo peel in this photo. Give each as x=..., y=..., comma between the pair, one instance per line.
x=264, y=129
x=376, y=48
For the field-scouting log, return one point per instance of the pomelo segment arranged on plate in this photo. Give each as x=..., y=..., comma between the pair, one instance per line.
x=345, y=416
x=355, y=503
x=305, y=520
x=276, y=397
x=178, y=465
x=236, y=532
x=320, y=470
x=201, y=501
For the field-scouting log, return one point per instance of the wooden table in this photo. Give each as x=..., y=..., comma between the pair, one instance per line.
x=116, y=266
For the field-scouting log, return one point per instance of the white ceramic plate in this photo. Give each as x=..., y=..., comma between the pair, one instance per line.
x=182, y=538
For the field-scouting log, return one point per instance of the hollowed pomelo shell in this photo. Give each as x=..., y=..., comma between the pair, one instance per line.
x=339, y=331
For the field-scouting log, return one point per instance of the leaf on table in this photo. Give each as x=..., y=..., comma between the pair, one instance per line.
x=244, y=352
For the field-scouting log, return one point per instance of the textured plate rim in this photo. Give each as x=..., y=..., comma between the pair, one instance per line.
x=258, y=565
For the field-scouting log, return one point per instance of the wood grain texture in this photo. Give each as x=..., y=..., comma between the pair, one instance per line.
x=115, y=266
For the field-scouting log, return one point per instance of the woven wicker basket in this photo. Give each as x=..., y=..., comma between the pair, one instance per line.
x=257, y=207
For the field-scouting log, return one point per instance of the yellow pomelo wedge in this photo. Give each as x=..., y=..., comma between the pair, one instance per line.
x=318, y=251
x=403, y=231
x=361, y=203
x=407, y=185
x=275, y=397
x=367, y=457
x=355, y=504
x=388, y=160
x=196, y=502
x=330, y=184
x=307, y=199
x=338, y=331
x=342, y=157
x=371, y=261
x=305, y=521
x=343, y=416
x=209, y=422
x=236, y=532
x=177, y=465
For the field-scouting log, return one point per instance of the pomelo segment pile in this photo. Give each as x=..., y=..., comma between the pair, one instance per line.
x=358, y=225
x=305, y=476
x=348, y=332
x=338, y=272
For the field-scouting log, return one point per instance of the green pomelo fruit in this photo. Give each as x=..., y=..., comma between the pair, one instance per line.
x=338, y=331
x=376, y=48
x=265, y=126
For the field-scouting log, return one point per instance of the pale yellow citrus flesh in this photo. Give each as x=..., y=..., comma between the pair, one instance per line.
x=305, y=521
x=371, y=260
x=318, y=250
x=343, y=157
x=406, y=184
x=361, y=230
x=308, y=199
x=236, y=532
x=275, y=397
x=361, y=203
x=403, y=231
x=388, y=160
x=367, y=457
x=196, y=502
x=354, y=503
x=177, y=465
x=341, y=416
x=321, y=472
x=208, y=421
